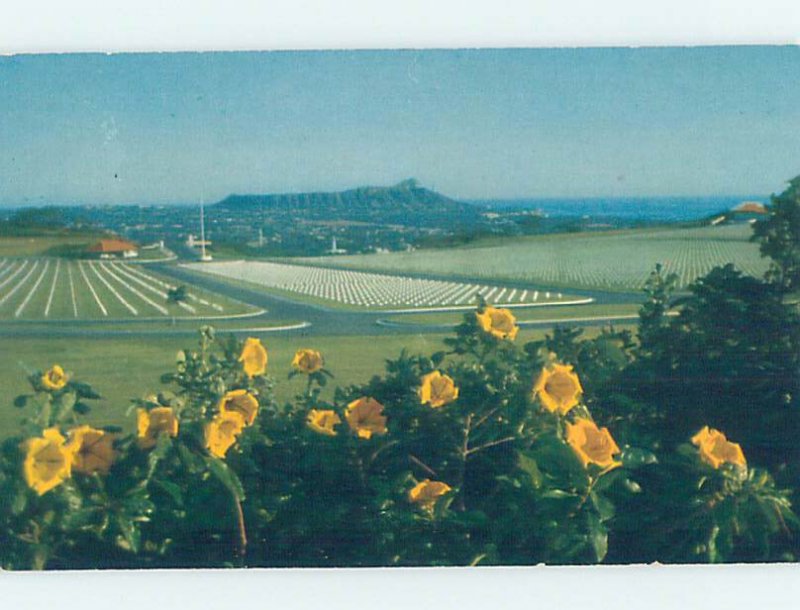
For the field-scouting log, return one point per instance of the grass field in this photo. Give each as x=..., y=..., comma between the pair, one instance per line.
x=41, y=245
x=125, y=368
x=565, y=312
x=621, y=260
x=61, y=289
x=357, y=290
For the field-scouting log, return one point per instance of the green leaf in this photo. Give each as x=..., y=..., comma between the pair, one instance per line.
x=633, y=457
x=558, y=494
x=608, y=479
x=632, y=486
x=84, y=390
x=227, y=477
x=605, y=507
x=79, y=519
x=172, y=489
x=531, y=468
x=20, y=501
x=598, y=536
x=81, y=408
x=711, y=545
x=163, y=445
x=130, y=535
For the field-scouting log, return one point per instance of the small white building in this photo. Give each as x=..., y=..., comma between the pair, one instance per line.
x=335, y=250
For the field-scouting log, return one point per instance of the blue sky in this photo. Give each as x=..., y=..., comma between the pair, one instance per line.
x=160, y=128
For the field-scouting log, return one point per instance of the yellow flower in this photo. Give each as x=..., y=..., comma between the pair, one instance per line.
x=592, y=445
x=427, y=493
x=323, y=421
x=55, y=378
x=153, y=422
x=716, y=449
x=437, y=390
x=253, y=357
x=48, y=461
x=308, y=361
x=558, y=388
x=499, y=323
x=364, y=416
x=241, y=402
x=93, y=448
x=221, y=432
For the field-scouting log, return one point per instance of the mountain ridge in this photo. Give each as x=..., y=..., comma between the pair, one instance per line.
x=405, y=203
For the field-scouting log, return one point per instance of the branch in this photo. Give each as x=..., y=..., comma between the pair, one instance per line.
x=381, y=450
x=485, y=417
x=422, y=465
x=491, y=444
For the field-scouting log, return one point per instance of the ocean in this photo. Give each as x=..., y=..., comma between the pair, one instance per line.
x=669, y=209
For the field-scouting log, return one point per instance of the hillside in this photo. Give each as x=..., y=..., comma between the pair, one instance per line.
x=406, y=203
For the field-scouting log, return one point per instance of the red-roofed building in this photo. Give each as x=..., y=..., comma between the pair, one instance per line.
x=750, y=207
x=748, y=211
x=114, y=248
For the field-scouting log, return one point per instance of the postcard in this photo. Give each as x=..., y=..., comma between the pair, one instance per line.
x=400, y=308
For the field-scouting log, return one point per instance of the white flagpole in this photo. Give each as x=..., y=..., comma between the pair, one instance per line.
x=203, y=255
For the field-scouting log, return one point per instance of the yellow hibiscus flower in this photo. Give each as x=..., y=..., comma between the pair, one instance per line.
x=48, y=461
x=150, y=424
x=222, y=431
x=365, y=417
x=54, y=378
x=323, y=421
x=437, y=390
x=716, y=449
x=253, y=357
x=592, y=445
x=499, y=323
x=308, y=361
x=558, y=388
x=94, y=450
x=242, y=402
x=427, y=493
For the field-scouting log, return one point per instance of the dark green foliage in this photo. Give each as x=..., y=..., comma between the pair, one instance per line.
x=178, y=294
x=779, y=237
x=730, y=359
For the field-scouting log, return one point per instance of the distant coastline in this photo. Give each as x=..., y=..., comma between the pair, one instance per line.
x=669, y=209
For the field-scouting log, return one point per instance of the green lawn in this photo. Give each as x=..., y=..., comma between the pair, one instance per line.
x=129, y=367
x=38, y=245
x=619, y=260
x=533, y=314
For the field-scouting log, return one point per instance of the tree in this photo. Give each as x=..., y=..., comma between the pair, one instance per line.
x=779, y=237
x=176, y=296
